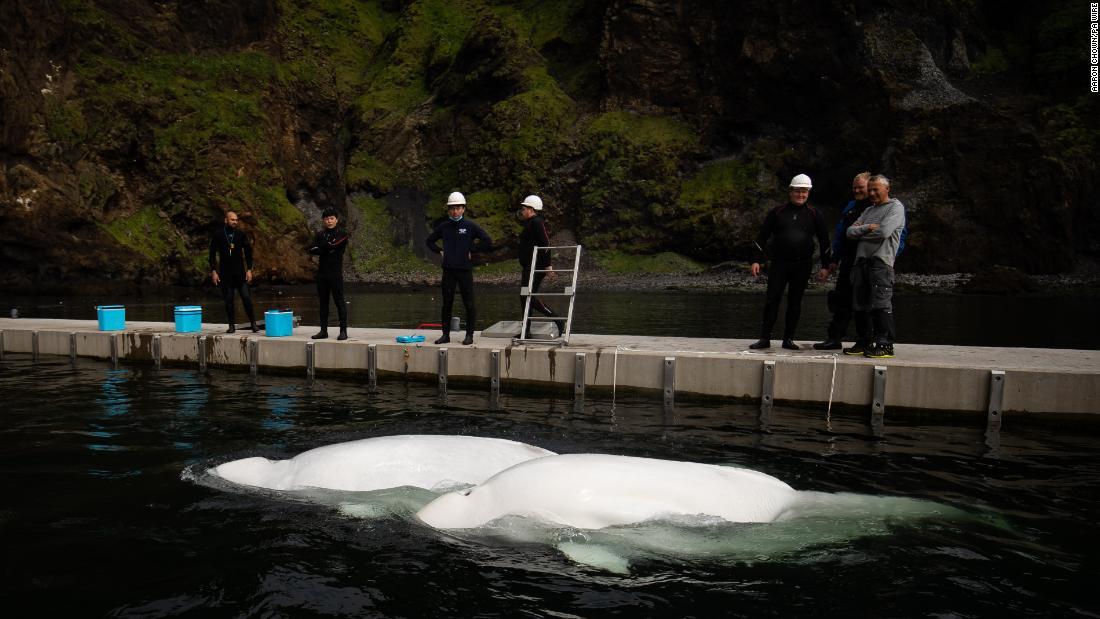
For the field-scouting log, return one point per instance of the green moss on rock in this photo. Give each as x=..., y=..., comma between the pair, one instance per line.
x=148, y=234
x=614, y=261
x=372, y=250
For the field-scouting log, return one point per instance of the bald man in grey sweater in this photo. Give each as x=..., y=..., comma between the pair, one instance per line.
x=879, y=232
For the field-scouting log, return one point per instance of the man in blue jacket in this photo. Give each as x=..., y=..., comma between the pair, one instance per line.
x=461, y=239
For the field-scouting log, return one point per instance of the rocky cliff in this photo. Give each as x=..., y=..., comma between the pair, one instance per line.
x=646, y=125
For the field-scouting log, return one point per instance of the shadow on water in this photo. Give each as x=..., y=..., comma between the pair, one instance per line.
x=117, y=531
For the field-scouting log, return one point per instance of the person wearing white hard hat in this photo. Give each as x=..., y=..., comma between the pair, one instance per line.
x=787, y=240
x=534, y=234
x=461, y=239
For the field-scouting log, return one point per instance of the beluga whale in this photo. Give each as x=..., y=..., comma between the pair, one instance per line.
x=594, y=491
x=431, y=462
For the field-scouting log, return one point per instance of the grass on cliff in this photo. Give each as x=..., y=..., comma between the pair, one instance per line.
x=371, y=250
x=147, y=233
x=619, y=262
x=428, y=36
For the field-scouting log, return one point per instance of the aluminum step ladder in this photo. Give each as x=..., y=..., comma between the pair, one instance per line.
x=570, y=291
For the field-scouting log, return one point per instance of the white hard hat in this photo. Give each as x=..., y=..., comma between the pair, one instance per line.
x=801, y=181
x=456, y=198
x=533, y=201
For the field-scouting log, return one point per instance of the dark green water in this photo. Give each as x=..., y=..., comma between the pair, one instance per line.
x=968, y=320
x=101, y=518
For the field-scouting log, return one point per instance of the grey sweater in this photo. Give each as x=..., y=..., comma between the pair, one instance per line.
x=883, y=242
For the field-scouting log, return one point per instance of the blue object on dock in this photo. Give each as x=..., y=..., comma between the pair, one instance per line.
x=188, y=318
x=278, y=323
x=111, y=317
x=409, y=339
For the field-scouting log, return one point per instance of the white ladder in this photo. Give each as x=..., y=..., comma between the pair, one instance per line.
x=569, y=291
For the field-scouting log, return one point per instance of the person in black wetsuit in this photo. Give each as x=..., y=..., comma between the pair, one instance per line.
x=330, y=243
x=534, y=234
x=787, y=238
x=231, y=268
x=461, y=238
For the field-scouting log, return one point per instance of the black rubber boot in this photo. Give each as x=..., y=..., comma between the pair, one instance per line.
x=321, y=335
x=255, y=329
x=790, y=345
x=761, y=343
x=231, y=329
x=444, y=339
x=469, y=339
x=343, y=334
x=829, y=344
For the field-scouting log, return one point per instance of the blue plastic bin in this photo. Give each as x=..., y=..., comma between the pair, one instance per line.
x=188, y=318
x=278, y=323
x=111, y=317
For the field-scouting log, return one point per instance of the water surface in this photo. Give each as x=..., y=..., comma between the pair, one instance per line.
x=99, y=517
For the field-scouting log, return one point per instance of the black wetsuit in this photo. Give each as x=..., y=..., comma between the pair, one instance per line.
x=788, y=234
x=534, y=234
x=460, y=239
x=330, y=246
x=231, y=257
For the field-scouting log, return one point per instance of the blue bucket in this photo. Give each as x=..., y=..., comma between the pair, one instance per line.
x=188, y=318
x=278, y=323
x=111, y=317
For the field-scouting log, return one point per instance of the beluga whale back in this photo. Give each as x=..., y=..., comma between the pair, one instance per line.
x=432, y=462
x=593, y=491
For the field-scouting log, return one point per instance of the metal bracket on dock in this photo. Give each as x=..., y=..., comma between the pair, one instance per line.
x=767, y=387
x=372, y=366
x=494, y=373
x=253, y=356
x=670, y=381
x=157, y=352
x=200, y=348
x=878, y=398
x=72, y=347
x=442, y=370
x=996, y=397
x=114, y=349
x=311, y=369
x=578, y=376
x=34, y=346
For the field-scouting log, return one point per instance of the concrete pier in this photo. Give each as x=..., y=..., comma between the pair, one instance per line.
x=985, y=380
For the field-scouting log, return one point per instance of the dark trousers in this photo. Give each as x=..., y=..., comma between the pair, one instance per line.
x=872, y=298
x=793, y=276
x=230, y=284
x=333, y=286
x=840, y=304
x=463, y=279
x=536, y=304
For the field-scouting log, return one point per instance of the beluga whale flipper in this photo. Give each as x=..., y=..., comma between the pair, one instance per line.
x=594, y=491
x=433, y=462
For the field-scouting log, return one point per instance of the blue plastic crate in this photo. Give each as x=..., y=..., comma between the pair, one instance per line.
x=278, y=323
x=188, y=318
x=111, y=317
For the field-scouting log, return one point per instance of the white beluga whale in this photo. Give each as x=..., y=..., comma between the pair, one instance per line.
x=594, y=491
x=432, y=462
